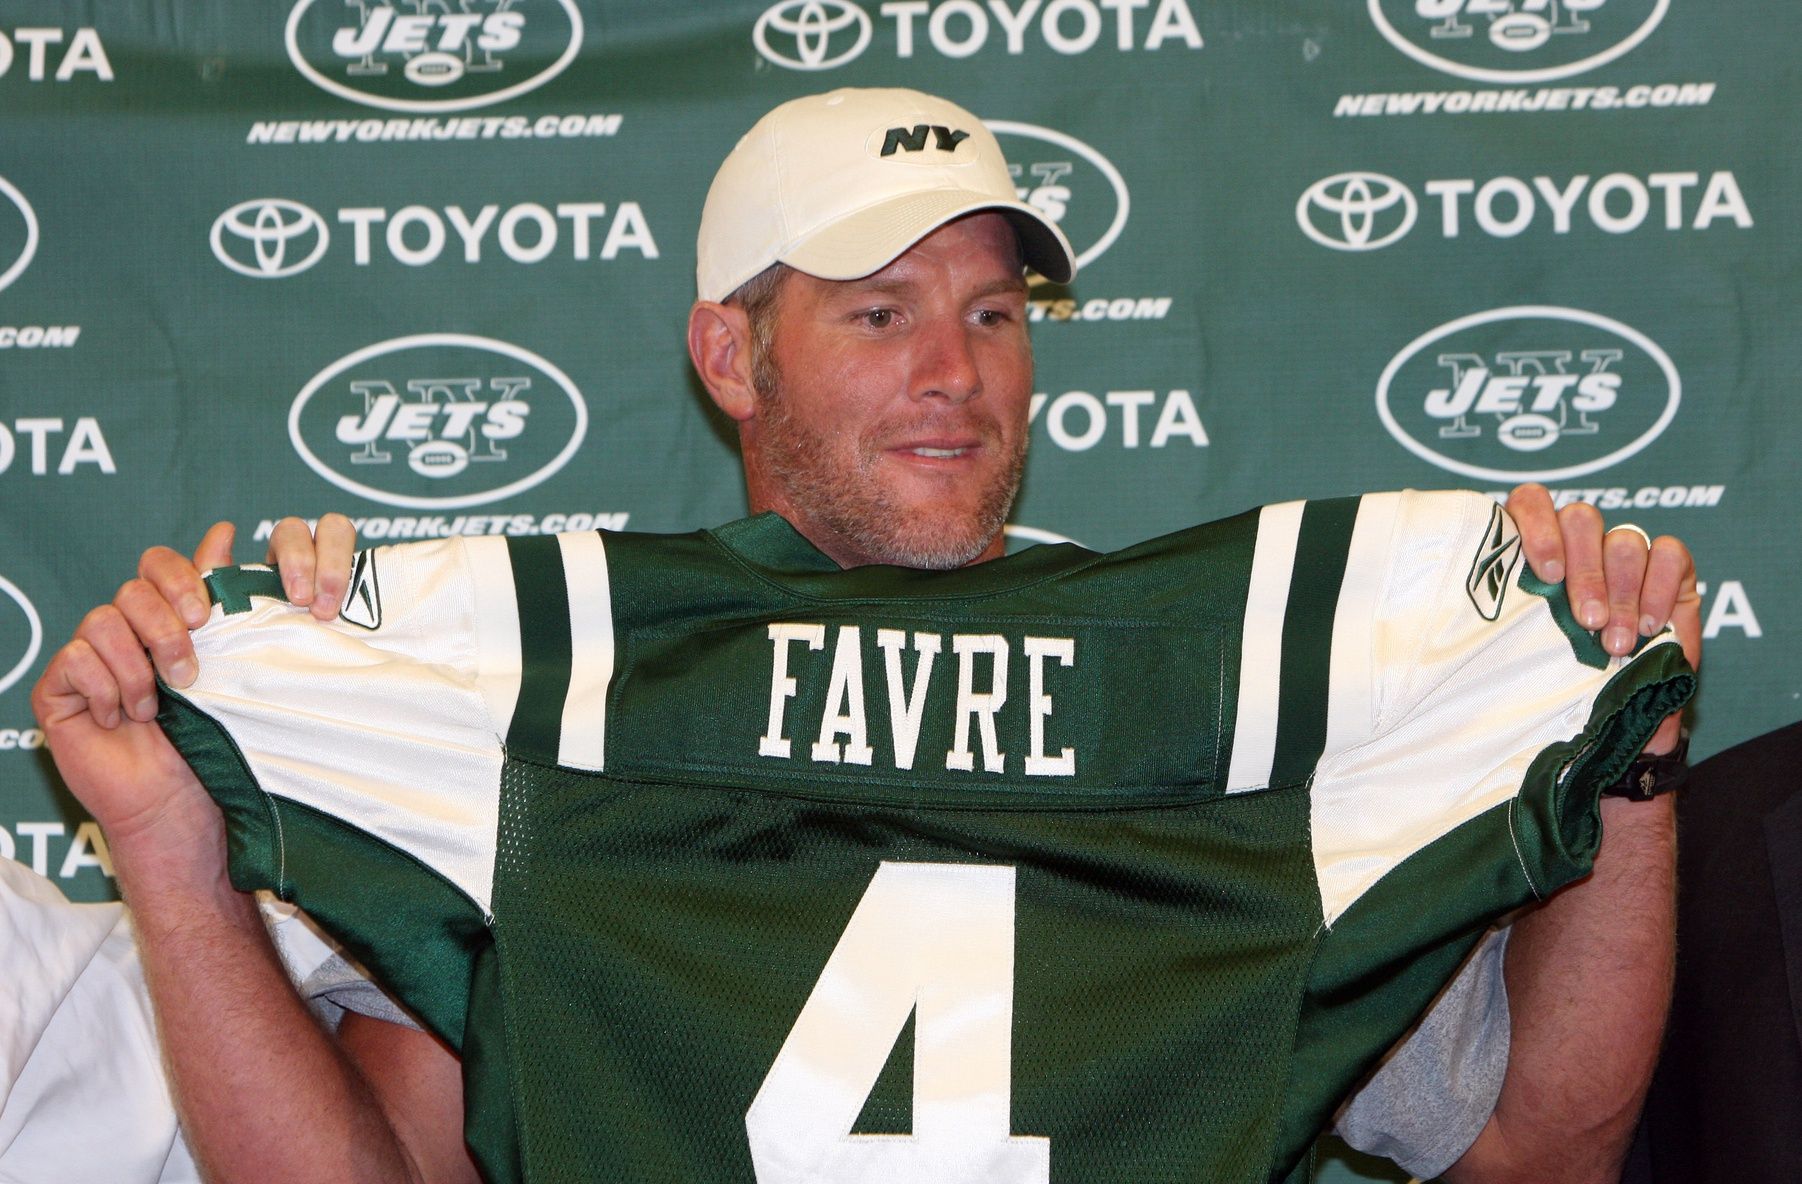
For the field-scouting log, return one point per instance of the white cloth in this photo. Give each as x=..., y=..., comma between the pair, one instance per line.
x=83, y=1099
x=83, y=1096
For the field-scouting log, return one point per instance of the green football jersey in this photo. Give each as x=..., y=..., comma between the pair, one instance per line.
x=717, y=863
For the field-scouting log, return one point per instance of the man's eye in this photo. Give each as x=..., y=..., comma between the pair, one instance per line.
x=991, y=316
x=878, y=318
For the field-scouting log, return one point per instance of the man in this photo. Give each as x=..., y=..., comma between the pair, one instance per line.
x=880, y=379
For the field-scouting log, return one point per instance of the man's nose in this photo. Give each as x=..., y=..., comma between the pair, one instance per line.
x=947, y=367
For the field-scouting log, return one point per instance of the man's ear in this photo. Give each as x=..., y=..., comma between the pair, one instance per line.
x=719, y=344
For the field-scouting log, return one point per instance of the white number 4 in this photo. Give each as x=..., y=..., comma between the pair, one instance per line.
x=933, y=937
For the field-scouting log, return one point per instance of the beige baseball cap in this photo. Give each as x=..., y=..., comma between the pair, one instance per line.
x=838, y=185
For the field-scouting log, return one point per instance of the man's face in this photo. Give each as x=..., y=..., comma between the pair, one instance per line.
x=895, y=429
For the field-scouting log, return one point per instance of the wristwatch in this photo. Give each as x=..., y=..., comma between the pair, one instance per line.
x=1650, y=776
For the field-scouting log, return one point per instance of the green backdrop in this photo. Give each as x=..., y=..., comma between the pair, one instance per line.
x=428, y=264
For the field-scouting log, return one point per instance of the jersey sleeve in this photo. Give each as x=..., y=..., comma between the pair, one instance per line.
x=358, y=761
x=1470, y=727
x=1461, y=686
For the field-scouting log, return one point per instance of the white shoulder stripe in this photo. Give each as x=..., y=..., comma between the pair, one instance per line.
x=582, y=741
x=1261, y=653
x=1351, y=702
x=497, y=627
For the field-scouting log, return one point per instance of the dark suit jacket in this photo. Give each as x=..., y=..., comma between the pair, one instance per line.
x=1726, y=1104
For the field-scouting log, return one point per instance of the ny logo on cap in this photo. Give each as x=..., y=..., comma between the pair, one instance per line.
x=914, y=139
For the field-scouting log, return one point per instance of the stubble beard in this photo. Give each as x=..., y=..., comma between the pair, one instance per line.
x=855, y=506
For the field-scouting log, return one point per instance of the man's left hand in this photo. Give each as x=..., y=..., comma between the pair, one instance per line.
x=1617, y=585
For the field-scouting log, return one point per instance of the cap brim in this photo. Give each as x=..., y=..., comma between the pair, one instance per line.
x=870, y=239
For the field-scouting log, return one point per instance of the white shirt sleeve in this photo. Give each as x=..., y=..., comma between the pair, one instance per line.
x=78, y=1046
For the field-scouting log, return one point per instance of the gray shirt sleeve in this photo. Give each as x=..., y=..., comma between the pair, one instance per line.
x=1430, y=1098
x=330, y=983
x=339, y=985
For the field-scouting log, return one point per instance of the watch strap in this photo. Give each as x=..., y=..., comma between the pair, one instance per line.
x=1651, y=776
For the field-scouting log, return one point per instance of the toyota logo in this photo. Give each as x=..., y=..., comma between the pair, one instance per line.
x=1356, y=211
x=269, y=237
x=812, y=27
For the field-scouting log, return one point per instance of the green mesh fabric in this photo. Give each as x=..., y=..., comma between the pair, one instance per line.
x=659, y=940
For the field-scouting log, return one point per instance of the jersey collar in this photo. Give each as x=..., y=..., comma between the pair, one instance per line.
x=771, y=547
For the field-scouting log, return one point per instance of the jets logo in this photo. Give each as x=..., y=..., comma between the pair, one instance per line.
x=427, y=55
x=18, y=232
x=21, y=632
x=363, y=599
x=1529, y=393
x=1493, y=568
x=1069, y=182
x=438, y=420
x=1516, y=41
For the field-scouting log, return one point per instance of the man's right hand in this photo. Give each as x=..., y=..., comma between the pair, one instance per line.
x=170, y=598
x=96, y=700
x=263, y=1092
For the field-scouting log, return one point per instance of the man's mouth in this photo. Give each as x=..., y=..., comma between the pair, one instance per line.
x=938, y=445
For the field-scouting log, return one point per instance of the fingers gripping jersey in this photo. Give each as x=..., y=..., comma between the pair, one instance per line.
x=719, y=864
